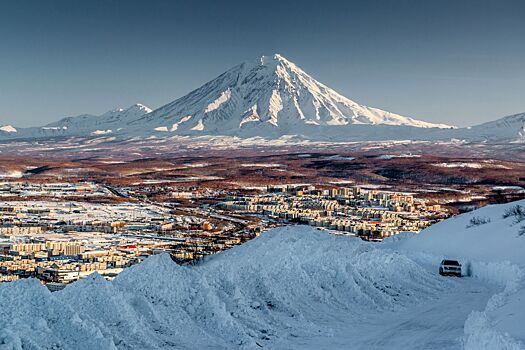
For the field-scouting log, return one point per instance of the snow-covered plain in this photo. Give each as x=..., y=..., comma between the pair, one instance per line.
x=293, y=288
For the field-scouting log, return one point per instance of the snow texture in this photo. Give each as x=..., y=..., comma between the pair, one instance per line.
x=260, y=294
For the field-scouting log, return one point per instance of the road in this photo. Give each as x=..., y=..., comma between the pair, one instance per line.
x=434, y=324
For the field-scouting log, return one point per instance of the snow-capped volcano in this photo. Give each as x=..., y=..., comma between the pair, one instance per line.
x=271, y=94
x=270, y=97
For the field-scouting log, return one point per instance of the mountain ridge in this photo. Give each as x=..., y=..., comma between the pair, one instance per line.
x=270, y=97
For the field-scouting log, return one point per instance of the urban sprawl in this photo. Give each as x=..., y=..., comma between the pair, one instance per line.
x=61, y=232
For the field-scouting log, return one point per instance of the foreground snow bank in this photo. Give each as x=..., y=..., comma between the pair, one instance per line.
x=490, y=243
x=482, y=235
x=273, y=288
x=500, y=325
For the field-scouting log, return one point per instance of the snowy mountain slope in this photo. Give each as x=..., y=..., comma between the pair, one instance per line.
x=510, y=129
x=82, y=125
x=111, y=120
x=507, y=128
x=268, y=96
x=455, y=236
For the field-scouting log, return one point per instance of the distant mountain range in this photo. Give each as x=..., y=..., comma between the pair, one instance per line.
x=270, y=98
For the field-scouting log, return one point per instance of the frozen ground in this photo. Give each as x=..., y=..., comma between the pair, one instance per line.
x=295, y=288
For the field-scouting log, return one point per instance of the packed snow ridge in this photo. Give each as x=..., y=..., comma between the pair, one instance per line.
x=295, y=287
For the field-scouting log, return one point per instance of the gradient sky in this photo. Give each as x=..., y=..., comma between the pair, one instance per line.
x=452, y=61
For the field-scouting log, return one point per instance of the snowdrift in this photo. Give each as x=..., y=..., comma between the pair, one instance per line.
x=274, y=288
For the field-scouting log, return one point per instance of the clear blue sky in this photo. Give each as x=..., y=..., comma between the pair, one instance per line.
x=454, y=61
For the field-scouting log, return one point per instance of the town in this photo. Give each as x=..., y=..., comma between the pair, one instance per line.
x=369, y=214
x=62, y=232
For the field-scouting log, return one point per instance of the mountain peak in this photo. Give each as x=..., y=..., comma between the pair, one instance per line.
x=140, y=107
x=268, y=93
x=276, y=58
x=136, y=108
x=267, y=61
x=268, y=97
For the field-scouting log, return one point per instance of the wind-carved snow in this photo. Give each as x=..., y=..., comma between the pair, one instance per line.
x=295, y=287
x=490, y=243
x=225, y=96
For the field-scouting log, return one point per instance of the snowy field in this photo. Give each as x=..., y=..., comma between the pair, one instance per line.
x=295, y=288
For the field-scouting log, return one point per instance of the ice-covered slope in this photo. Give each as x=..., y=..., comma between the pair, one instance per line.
x=268, y=292
x=268, y=97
